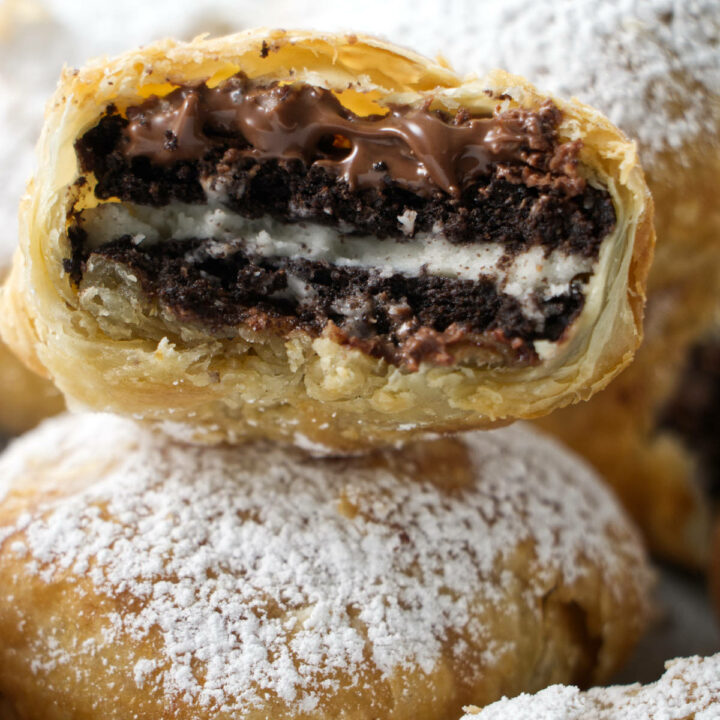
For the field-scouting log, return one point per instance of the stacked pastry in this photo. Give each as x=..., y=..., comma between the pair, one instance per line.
x=291, y=238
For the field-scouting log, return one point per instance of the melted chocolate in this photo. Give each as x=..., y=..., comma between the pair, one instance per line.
x=516, y=204
x=421, y=150
x=295, y=153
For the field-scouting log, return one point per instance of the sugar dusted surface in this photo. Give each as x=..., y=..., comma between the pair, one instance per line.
x=689, y=688
x=275, y=571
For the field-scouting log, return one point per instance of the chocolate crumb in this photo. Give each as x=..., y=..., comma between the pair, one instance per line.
x=404, y=320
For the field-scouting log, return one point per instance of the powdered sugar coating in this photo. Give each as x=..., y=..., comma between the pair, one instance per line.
x=276, y=572
x=652, y=67
x=690, y=688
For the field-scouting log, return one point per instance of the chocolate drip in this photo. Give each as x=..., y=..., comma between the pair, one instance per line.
x=418, y=149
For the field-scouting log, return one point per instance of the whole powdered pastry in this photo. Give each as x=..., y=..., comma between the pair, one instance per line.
x=690, y=688
x=257, y=582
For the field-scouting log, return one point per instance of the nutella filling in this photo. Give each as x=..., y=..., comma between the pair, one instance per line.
x=692, y=413
x=417, y=149
x=411, y=234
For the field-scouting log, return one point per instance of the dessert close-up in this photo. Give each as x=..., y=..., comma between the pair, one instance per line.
x=293, y=294
x=325, y=239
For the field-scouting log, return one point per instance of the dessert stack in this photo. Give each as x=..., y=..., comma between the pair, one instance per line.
x=281, y=268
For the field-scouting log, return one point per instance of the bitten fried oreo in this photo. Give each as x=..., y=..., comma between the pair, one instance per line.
x=327, y=239
x=144, y=578
x=689, y=688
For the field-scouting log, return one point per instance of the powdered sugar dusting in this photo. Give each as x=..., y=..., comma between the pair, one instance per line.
x=557, y=702
x=690, y=688
x=652, y=67
x=275, y=572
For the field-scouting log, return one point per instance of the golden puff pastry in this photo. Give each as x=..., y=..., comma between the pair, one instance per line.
x=25, y=397
x=689, y=689
x=325, y=239
x=653, y=433
x=141, y=577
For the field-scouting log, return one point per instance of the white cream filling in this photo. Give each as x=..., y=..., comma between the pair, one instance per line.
x=528, y=276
